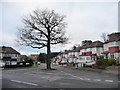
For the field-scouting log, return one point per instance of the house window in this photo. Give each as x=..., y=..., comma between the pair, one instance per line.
x=7, y=55
x=87, y=58
x=7, y=62
x=15, y=55
x=80, y=58
x=112, y=55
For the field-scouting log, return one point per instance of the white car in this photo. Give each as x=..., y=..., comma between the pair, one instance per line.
x=63, y=61
x=13, y=62
x=90, y=63
x=38, y=63
x=2, y=64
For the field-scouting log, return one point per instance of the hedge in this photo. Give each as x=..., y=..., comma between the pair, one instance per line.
x=106, y=62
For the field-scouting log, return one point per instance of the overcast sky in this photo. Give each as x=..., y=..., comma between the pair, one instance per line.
x=86, y=20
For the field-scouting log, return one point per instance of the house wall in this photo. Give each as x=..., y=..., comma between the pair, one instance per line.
x=77, y=54
x=73, y=53
x=97, y=50
x=6, y=55
x=18, y=57
x=114, y=55
x=88, y=49
x=117, y=55
x=112, y=47
x=70, y=53
x=94, y=50
x=113, y=44
x=119, y=44
x=13, y=56
x=106, y=46
x=101, y=50
x=0, y=55
x=66, y=55
x=80, y=53
x=82, y=50
x=84, y=58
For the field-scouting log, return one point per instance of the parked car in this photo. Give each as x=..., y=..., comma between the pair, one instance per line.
x=63, y=62
x=89, y=63
x=38, y=63
x=27, y=63
x=2, y=64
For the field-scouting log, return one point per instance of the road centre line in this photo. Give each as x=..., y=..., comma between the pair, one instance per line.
x=24, y=82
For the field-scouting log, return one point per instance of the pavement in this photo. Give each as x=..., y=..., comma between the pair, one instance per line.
x=110, y=70
x=60, y=78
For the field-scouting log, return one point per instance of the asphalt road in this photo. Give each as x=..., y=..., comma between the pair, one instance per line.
x=60, y=78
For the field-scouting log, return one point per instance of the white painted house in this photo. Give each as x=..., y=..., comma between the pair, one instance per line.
x=90, y=51
x=112, y=47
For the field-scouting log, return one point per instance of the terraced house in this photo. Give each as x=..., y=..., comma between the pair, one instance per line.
x=91, y=51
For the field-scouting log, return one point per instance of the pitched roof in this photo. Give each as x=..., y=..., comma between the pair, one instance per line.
x=113, y=37
x=93, y=44
x=97, y=44
x=10, y=50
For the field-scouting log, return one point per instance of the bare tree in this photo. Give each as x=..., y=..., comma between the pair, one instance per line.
x=104, y=37
x=43, y=28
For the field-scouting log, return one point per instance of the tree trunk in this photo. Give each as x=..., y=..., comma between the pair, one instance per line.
x=48, y=53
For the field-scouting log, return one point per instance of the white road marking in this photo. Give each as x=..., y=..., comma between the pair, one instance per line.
x=86, y=78
x=41, y=72
x=24, y=82
x=108, y=80
x=81, y=78
x=77, y=76
x=49, y=73
x=97, y=80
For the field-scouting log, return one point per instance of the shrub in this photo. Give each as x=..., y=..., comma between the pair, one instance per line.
x=111, y=62
x=101, y=62
x=106, y=62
